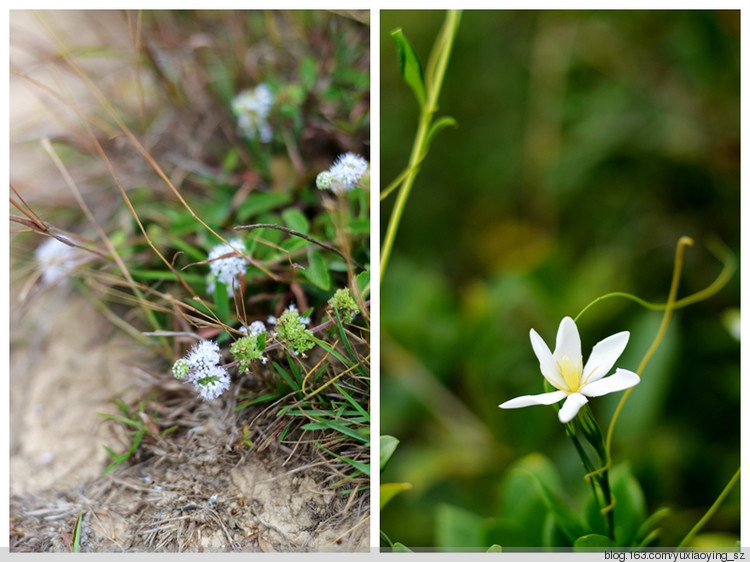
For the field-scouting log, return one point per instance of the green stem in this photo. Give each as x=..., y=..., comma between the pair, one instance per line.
x=438, y=64
x=718, y=249
x=596, y=477
x=671, y=299
x=711, y=511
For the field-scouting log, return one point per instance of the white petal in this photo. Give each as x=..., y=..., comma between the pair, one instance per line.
x=571, y=406
x=534, y=400
x=603, y=356
x=568, y=341
x=619, y=380
x=546, y=363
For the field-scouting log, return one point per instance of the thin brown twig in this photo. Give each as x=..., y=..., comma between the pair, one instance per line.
x=299, y=234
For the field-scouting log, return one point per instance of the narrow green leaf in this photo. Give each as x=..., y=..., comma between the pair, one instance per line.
x=123, y=420
x=398, y=547
x=121, y=405
x=495, y=548
x=646, y=531
x=192, y=278
x=289, y=380
x=354, y=403
x=391, y=490
x=438, y=126
x=76, y=545
x=110, y=452
x=363, y=468
x=221, y=300
x=340, y=427
x=411, y=68
x=333, y=352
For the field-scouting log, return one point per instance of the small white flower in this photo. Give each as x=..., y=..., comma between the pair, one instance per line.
x=201, y=368
x=181, y=368
x=55, y=259
x=324, y=180
x=211, y=382
x=346, y=172
x=252, y=108
x=202, y=357
x=255, y=329
x=226, y=270
x=574, y=382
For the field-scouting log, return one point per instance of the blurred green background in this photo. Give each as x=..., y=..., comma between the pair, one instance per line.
x=587, y=144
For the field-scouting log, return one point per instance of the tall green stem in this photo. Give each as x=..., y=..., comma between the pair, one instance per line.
x=436, y=72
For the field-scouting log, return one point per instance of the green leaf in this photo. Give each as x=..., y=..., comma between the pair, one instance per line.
x=438, y=126
x=333, y=352
x=359, y=226
x=317, y=271
x=260, y=341
x=363, y=282
x=565, y=518
x=646, y=531
x=398, y=547
x=495, y=548
x=340, y=427
x=76, y=546
x=392, y=489
x=523, y=509
x=231, y=161
x=296, y=220
x=630, y=507
x=365, y=415
x=259, y=202
x=456, y=527
x=110, y=452
x=363, y=468
x=411, y=68
x=308, y=72
x=594, y=518
x=221, y=300
x=597, y=542
x=388, y=445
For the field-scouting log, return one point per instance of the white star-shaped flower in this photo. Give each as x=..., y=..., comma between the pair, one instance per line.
x=565, y=371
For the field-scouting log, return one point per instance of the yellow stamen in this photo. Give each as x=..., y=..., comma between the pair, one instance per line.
x=571, y=373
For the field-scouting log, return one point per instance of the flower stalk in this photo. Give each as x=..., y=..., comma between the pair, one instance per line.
x=585, y=424
x=436, y=68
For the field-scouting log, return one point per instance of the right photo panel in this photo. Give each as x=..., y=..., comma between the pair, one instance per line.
x=559, y=280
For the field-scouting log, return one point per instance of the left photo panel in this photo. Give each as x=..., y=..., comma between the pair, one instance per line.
x=189, y=281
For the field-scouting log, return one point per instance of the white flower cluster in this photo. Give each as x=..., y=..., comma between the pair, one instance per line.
x=55, y=259
x=226, y=270
x=344, y=174
x=201, y=368
x=255, y=329
x=252, y=108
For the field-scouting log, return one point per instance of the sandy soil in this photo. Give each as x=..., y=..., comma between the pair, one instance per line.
x=67, y=364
